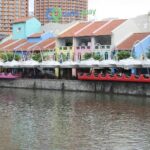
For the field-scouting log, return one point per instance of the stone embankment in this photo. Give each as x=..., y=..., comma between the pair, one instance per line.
x=142, y=89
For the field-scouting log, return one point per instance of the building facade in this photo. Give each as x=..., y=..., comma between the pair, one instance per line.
x=88, y=37
x=10, y=10
x=24, y=27
x=60, y=11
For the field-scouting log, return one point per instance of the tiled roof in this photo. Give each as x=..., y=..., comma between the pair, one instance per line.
x=71, y=32
x=92, y=28
x=107, y=29
x=130, y=41
x=44, y=45
x=6, y=43
x=35, y=35
x=23, y=19
x=89, y=30
x=14, y=45
x=25, y=46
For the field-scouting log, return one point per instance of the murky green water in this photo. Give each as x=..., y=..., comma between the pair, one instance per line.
x=50, y=120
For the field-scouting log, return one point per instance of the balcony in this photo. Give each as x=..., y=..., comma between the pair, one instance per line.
x=65, y=48
x=103, y=47
x=83, y=48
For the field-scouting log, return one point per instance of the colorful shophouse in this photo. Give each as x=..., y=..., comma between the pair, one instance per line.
x=28, y=38
x=88, y=37
x=24, y=27
x=142, y=47
x=137, y=43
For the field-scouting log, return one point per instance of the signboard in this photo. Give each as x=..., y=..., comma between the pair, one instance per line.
x=55, y=14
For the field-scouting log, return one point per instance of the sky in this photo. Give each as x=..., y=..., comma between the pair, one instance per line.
x=116, y=8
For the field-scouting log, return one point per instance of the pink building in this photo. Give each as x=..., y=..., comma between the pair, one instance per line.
x=90, y=37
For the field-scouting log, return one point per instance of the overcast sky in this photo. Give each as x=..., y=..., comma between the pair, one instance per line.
x=116, y=8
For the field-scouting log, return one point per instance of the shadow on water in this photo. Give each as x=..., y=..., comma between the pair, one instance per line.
x=35, y=120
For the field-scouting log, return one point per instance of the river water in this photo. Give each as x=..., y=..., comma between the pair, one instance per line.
x=51, y=120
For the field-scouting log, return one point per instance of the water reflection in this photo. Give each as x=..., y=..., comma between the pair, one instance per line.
x=43, y=120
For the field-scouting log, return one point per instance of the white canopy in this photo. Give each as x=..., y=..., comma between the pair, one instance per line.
x=49, y=64
x=129, y=63
x=12, y=64
x=89, y=63
x=146, y=63
x=107, y=63
x=29, y=64
x=69, y=64
x=1, y=63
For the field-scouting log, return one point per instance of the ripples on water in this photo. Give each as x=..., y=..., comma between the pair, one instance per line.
x=50, y=120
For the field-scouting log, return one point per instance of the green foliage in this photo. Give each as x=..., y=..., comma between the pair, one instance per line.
x=63, y=57
x=10, y=56
x=87, y=56
x=97, y=57
x=94, y=55
x=148, y=53
x=123, y=55
x=37, y=57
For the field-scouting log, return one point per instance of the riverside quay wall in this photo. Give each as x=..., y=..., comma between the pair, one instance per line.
x=142, y=89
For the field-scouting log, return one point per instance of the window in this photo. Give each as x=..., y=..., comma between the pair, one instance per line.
x=19, y=29
x=106, y=55
x=68, y=56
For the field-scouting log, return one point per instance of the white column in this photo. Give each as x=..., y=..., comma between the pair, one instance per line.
x=93, y=43
x=57, y=43
x=74, y=42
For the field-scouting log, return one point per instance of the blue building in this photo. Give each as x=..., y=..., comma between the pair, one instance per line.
x=24, y=27
x=142, y=47
x=38, y=37
x=138, y=44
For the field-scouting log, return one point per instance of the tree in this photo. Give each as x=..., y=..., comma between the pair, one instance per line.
x=37, y=57
x=94, y=56
x=123, y=55
x=62, y=57
x=87, y=56
x=10, y=56
x=97, y=57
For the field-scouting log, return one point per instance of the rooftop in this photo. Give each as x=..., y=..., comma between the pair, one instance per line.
x=130, y=41
x=107, y=28
x=24, y=45
x=14, y=45
x=36, y=35
x=6, y=43
x=43, y=45
x=71, y=32
x=92, y=28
